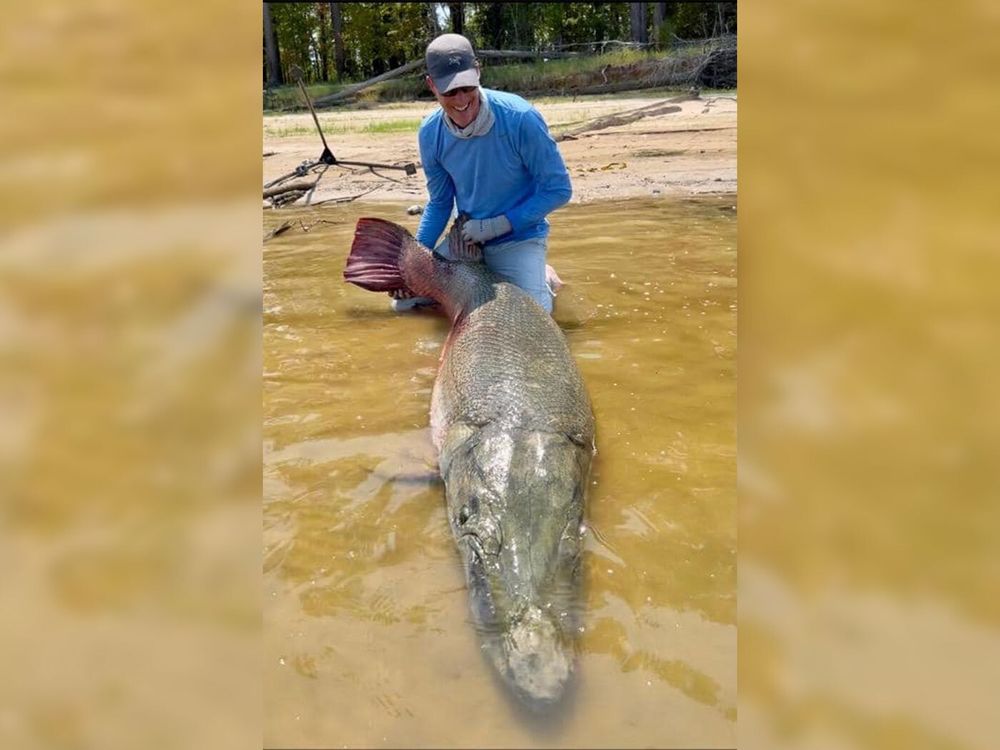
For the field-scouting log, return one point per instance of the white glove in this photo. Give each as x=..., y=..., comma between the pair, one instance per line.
x=484, y=230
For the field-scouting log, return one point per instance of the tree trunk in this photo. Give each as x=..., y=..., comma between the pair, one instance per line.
x=659, y=14
x=457, y=18
x=324, y=43
x=637, y=22
x=491, y=24
x=338, y=40
x=433, y=27
x=274, y=77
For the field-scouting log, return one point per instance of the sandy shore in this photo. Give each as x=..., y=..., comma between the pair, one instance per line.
x=690, y=151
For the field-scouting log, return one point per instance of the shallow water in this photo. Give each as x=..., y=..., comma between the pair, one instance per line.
x=368, y=641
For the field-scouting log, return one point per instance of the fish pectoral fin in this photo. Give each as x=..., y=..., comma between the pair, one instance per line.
x=459, y=437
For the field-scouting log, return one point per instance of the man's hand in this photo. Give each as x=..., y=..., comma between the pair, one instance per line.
x=484, y=230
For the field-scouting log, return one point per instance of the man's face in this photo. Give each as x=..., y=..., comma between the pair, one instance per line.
x=460, y=104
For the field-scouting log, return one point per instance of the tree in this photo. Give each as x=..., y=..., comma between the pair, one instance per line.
x=295, y=24
x=700, y=20
x=337, y=19
x=324, y=44
x=637, y=22
x=271, y=53
x=490, y=24
x=457, y=17
x=433, y=26
x=660, y=30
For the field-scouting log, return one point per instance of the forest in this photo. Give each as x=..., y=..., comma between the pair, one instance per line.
x=347, y=42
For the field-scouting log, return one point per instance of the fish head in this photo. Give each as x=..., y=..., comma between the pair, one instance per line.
x=517, y=508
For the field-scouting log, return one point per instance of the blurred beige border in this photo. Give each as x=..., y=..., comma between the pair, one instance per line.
x=868, y=222
x=130, y=317
x=129, y=261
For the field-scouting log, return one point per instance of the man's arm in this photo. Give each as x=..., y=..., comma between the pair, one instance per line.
x=542, y=158
x=441, y=192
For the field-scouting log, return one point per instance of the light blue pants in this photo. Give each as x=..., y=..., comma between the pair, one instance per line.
x=521, y=262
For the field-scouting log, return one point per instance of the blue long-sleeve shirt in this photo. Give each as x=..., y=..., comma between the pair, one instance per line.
x=515, y=170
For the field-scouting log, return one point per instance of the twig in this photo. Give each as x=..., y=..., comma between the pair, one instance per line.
x=652, y=132
x=285, y=226
x=347, y=199
x=384, y=177
x=288, y=225
x=664, y=107
x=306, y=229
x=309, y=193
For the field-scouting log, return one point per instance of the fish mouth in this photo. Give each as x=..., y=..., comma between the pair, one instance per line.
x=535, y=661
x=526, y=644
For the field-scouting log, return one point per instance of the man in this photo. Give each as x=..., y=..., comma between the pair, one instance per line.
x=488, y=154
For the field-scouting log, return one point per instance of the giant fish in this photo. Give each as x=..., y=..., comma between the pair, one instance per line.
x=514, y=431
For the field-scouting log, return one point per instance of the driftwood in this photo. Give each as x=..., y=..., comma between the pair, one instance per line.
x=348, y=198
x=646, y=132
x=285, y=226
x=527, y=54
x=286, y=187
x=352, y=91
x=665, y=107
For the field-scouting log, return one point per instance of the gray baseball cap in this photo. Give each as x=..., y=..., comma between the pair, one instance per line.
x=451, y=62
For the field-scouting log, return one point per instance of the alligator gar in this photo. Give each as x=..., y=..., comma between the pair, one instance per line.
x=514, y=430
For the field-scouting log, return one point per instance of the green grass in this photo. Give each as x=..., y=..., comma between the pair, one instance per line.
x=290, y=96
x=392, y=126
x=376, y=128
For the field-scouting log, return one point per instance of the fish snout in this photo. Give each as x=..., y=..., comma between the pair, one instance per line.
x=539, y=664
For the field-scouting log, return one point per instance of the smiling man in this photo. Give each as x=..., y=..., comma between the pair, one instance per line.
x=488, y=154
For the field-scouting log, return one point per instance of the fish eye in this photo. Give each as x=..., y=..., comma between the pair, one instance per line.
x=463, y=514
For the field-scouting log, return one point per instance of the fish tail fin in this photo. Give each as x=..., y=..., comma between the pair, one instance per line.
x=376, y=253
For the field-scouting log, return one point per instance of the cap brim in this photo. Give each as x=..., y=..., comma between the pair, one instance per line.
x=468, y=77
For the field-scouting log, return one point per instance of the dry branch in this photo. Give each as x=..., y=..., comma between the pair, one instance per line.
x=518, y=54
x=285, y=226
x=654, y=132
x=347, y=199
x=350, y=91
x=286, y=187
x=665, y=107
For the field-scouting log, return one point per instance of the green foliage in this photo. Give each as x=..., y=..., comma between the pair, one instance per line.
x=378, y=37
x=382, y=36
x=295, y=24
x=702, y=20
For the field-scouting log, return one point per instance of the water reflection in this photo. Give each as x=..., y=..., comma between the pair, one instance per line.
x=366, y=608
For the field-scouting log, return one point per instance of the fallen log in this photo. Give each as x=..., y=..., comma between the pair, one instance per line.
x=667, y=106
x=350, y=91
x=523, y=54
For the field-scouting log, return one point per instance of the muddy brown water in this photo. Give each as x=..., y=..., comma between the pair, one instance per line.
x=368, y=640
